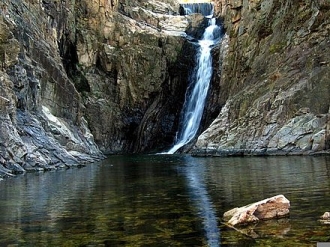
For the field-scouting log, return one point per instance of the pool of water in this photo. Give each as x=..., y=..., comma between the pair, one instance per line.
x=165, y=200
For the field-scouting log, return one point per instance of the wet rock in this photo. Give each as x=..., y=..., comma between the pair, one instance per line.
x=277, y=228
x=14, y=168
x=270, y=208
x=4, y=172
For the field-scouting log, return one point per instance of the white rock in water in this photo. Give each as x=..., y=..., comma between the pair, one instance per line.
x=325, y=218
x=270, y=208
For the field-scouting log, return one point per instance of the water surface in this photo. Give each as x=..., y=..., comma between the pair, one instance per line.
x=165, y=200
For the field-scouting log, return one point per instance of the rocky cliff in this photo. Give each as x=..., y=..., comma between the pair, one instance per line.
x=275, y=80
x=133, y=69
x=42, y=124
x=80, y=79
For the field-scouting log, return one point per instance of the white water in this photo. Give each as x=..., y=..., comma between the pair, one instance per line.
x=195, y=100
x=205, y=9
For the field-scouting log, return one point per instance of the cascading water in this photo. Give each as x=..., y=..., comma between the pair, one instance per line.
x=205, y=9
x=197, y=92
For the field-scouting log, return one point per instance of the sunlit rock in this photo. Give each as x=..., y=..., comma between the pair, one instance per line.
x=270, y=208
x=274, y=80
x=325, y=218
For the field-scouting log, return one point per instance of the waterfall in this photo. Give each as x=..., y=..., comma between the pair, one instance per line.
x=197, y=91
x=205, y=9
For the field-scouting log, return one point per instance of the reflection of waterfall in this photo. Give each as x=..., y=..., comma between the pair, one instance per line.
x=196, y=94
x=194, y=174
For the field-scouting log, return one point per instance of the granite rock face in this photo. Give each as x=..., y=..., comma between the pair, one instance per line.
x=42, y=125
x=275, y=80
x=80, y=79
x=132, y=65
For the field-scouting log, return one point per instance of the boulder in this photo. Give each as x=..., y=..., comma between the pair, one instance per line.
x=325, y=218
x=270, y=208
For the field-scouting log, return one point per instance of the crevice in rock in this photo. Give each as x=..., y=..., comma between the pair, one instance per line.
x=68, y=52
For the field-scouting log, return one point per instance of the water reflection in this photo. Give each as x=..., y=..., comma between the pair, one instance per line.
x=32, y=205
x=303, y=180
x=194, y=173
x=164, y=201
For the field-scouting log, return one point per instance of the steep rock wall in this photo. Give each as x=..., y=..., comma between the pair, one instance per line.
x=131, y=65
x=275, y=86
x=42, y=125
x=84, y=78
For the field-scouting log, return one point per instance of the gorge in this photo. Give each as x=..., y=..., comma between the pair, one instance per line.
x=199, y=81
x=85, y=79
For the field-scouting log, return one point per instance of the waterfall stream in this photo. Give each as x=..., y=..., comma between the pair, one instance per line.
x=197, y=91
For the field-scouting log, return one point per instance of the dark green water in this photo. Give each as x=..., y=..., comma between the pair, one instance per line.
x=165, y=200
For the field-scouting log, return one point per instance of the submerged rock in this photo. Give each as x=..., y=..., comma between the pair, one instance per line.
x=275, y=228
x=270, y=208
